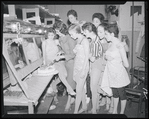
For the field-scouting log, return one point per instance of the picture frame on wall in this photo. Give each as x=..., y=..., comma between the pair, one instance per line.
x=49, y=21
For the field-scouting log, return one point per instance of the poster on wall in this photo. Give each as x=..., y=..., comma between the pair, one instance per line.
x=138, y=16
x=127, y=12
x=136, y=11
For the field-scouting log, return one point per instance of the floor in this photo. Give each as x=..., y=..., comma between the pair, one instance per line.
x=130, y=112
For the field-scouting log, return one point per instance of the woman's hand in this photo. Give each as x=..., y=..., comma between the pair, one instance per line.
x=109, y=58
x=92, y=59
x=57, y=58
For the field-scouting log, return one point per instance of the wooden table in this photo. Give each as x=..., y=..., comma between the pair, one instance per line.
x=36, y=85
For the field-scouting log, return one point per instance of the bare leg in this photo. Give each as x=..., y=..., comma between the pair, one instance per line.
x=62, y=75
x=107, y=103
x=98, y=97
x=95, y=76
x=111, y=105
x=116, y=100
x=68, y=103
x=79, y=90
x=54, y=84
x=72, y=100
x=63, y=79
x=84, y=105
x=123, y=105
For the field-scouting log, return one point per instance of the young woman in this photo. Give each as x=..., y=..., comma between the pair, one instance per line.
x=67, y=44
x=115, y=75
x=97, y=19
x=103, y=96
x=51, y=54
x=73, y=18
x=81, y=66
x=96, y=51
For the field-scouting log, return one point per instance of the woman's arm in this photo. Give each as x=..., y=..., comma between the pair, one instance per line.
x=85, y=44
x=123, y=55
x=71, y=54
x=126, y=46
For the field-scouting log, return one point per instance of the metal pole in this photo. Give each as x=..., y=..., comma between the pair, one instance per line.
x=132, y=40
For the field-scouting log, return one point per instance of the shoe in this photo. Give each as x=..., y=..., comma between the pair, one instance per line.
x=91, y=112
x=52, y=107
x=102, y=104
x=111, y=110
x=82, y=110
x=66, y=110
x=72, y=94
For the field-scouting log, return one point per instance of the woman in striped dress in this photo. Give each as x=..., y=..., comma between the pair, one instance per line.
x=96, y=52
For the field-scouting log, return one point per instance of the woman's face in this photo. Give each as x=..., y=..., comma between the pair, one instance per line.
x=73, y=34
x=108, y=36
x=51, y=35
x=72, y=18
x=86, y=33
x=101, y=32
x=96, y=22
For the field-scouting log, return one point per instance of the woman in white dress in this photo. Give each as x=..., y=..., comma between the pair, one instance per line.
x=115, y=76
x=81, y=66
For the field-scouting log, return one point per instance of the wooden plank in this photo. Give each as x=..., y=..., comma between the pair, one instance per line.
x=11, y=9
x=31, y=108
x=44, y=106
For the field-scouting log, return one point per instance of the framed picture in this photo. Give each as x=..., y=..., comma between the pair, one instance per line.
x=28, y=13
x=49, y=21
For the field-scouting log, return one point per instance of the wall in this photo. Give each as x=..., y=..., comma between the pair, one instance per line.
x=125, y=24
x=84, y=12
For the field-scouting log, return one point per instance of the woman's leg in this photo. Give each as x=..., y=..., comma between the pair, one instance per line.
x=62, y=75
x=115, y=100
x=123, y=99
x=107, y=102
x=68, y=103
x=84, y=104
x=95, y=76
x=79, y=91
x=54, y=84
x=111, y=105
x=123, y=106
x=103, y=101
x=69, y=67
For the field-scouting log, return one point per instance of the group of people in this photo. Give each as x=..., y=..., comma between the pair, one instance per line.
x=91, y=61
